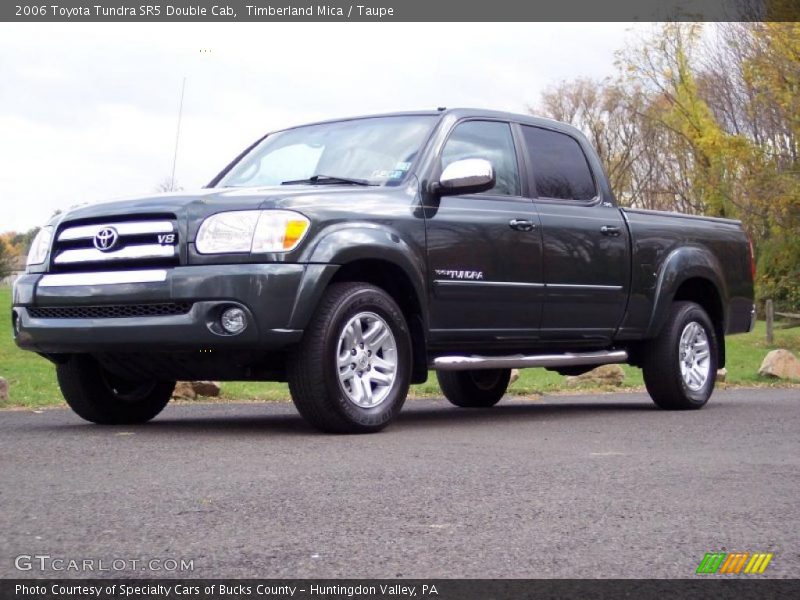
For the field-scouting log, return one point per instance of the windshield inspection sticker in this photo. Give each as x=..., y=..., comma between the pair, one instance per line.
x=384, y=174
x=400, y=170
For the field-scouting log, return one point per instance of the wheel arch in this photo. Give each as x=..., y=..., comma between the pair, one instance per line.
x=692, y=274
x=374, y=255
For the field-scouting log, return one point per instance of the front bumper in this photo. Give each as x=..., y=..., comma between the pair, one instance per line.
x=268, y=294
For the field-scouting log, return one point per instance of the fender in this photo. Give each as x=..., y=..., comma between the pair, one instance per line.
x=345, y=243
x=680, y=265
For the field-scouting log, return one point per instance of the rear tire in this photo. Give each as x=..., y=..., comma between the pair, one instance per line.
x=479, y=388
x=680, y=365
x=101, y=397
x=351, y=371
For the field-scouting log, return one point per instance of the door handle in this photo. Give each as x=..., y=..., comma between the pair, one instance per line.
x=521, y=225
x=610, y=230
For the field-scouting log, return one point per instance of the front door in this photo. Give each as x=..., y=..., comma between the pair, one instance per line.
x=485, y=250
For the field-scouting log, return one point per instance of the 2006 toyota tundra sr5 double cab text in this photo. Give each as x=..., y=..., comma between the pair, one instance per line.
x=349, y=257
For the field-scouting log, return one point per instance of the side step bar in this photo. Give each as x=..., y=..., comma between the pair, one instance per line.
x=521, y=361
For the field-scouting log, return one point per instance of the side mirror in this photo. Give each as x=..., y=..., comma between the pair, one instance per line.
x=467, y=176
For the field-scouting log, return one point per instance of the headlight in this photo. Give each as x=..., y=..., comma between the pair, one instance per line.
x=255, y=231
x=41, y=244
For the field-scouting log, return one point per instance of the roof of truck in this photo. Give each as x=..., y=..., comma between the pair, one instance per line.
x=461, y=113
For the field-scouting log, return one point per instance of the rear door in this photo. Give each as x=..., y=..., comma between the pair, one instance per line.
x=485, y=250
x=585, y=240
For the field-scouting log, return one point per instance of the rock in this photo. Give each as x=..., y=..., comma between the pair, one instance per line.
x=184, y=391
x=206, y=388
x=3, y=389
x=190, y=390
x=722, y=375
x=514, y=376
x=602, y=375
x=780, y=364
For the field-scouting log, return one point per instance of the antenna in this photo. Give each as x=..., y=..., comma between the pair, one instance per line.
x=177, y=138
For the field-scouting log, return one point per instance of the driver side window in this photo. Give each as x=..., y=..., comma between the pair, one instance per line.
x=490, y=140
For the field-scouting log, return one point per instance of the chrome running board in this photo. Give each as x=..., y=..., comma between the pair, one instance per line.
x=521, y=361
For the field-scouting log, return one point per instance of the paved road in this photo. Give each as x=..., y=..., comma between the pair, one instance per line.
x=603, y=486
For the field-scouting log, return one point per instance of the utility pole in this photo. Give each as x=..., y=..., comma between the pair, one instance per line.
x=177, y=138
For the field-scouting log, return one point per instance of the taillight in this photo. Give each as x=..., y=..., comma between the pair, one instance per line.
x=752, y=259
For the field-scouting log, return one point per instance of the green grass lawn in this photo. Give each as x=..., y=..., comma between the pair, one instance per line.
x=32, y=380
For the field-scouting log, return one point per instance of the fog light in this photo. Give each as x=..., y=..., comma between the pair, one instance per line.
x=233, y=320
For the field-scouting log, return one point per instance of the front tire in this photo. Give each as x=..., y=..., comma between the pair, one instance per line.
x=479, y=388
x=101, y=397
x=351, y=371
x=680, y=365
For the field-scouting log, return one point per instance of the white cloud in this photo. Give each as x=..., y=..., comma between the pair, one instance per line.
x=88, y=111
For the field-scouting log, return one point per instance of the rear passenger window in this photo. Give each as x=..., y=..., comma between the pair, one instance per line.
x=492, y=141
x=560, y=169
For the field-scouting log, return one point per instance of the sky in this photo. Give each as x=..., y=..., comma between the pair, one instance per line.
x=88, y=112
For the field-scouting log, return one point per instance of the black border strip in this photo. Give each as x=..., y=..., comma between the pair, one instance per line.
x=396, y=10
x=705, y=587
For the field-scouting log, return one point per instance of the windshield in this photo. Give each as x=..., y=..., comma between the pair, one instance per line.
x=376, y=151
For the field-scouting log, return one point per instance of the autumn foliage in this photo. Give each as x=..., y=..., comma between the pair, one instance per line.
x=704, y=119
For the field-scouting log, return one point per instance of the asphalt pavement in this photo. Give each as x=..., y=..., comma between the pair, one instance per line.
x=567, y=486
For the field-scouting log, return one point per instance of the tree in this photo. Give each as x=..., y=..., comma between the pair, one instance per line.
x=709, y=156
x=705, y=124
x=772, y=69
x=753, y=73
x=168, y=185
x=6, y=260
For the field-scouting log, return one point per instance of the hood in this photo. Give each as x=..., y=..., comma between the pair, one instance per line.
x=198, y=204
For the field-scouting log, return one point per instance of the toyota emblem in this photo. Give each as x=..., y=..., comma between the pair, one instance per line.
x=106, y=239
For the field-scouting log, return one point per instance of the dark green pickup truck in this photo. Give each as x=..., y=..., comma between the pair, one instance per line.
x=350, y=257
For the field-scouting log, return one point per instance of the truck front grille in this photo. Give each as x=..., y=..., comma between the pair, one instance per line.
x=116, y=243
x=110, y=311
